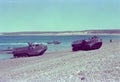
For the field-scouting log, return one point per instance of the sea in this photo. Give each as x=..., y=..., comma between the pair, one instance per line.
x=66, y=41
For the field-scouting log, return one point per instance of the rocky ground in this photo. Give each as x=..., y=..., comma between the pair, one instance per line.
x=102, y=65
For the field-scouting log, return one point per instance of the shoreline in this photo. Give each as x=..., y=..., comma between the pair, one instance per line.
x=66, y=66
x=61, y=34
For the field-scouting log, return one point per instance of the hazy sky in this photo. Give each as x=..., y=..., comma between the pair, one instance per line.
x=58, y=15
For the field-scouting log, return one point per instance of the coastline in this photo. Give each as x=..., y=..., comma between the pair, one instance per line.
x=63, y=33
x=100, y=65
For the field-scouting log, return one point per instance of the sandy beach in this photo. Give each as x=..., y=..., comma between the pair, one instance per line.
x=102, y=65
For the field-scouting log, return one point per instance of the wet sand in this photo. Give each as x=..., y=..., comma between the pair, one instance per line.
x=102, y=65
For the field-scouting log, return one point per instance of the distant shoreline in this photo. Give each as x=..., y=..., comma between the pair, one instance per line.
x=62, y=33
x=59, y=34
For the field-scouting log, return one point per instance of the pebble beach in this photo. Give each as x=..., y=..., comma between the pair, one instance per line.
x=101, y=65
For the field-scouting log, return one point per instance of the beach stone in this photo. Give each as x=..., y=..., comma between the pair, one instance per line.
x=82, y=78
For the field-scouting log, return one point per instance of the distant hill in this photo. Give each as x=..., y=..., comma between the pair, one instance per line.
x=103, y=31
x=85, y=32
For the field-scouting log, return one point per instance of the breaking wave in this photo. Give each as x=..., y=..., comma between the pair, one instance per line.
x=13, y=43
x=21, y=43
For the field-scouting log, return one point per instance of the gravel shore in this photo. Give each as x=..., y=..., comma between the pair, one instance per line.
x=102, y=65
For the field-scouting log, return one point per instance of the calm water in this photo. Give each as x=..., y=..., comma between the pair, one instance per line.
x=19, y=41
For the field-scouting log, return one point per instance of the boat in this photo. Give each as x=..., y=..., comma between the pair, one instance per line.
x=54, y=42
x=90, y=44
x=30, y=50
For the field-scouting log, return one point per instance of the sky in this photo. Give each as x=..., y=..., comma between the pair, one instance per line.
x=58, y=15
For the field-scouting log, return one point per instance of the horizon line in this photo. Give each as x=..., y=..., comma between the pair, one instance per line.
x=60, y=31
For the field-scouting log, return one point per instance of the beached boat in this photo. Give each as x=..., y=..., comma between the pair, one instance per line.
x=90, y=44
x=30, y=50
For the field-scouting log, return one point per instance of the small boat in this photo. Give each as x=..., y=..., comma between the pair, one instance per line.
x=54, y=42
x=90, y=44
x=30, y=50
